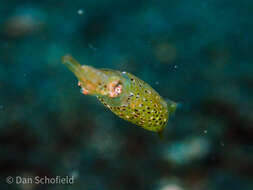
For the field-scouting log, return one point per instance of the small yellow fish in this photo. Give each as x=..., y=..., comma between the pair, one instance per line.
x=124, y=94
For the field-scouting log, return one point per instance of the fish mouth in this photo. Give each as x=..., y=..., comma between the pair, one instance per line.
x=72, y=65
x=90, y=79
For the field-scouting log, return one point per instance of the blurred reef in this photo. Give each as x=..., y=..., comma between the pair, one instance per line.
x=198, y=53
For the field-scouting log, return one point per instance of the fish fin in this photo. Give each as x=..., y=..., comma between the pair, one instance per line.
x=172, y=106
x=161, y=135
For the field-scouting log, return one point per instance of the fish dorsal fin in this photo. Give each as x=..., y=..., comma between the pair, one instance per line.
x=172, y=106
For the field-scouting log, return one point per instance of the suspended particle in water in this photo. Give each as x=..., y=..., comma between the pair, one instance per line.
x=171, y=186
x=205, y=131
x=92, y=47
x=156, y=82
x=80, y=11
x=175, y=66
x=74, y=174
x=1, y=107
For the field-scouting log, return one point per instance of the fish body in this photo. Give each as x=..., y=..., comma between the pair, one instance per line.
x=124, y=94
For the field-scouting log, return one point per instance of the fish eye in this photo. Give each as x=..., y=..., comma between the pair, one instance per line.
x=115, y=88
x=118, y=88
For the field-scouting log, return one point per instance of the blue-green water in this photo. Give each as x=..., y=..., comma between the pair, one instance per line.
x=198, y=53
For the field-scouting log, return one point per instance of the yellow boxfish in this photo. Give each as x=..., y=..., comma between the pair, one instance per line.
x=124, y=94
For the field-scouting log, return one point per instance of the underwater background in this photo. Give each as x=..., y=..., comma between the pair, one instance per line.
x=198, y=53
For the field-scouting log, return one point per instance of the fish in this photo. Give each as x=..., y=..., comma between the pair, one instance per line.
x=124, y=94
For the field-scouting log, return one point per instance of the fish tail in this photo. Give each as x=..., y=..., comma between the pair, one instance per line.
x=161, y=135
